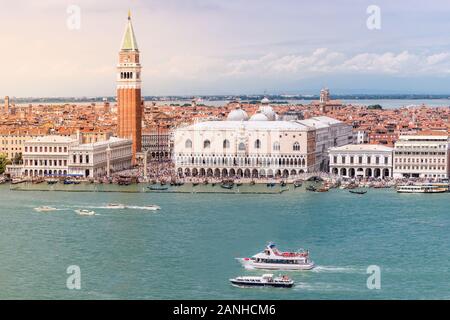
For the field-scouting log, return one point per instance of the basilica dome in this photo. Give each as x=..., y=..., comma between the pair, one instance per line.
x=237, y=115
x=259, y=117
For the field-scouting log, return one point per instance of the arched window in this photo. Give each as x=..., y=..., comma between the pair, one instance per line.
x=257, y=144
x=226, y=144
x=188, y=144
x=276, y=146
x=206, y=144
x=296, y=146
x=241, y=146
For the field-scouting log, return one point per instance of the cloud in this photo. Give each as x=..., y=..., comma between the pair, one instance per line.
x=319, y=62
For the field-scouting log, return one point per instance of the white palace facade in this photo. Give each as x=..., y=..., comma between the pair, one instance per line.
x=259, y=146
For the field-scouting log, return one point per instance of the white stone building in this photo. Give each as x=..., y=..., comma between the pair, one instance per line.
x=361, y=161
x=101, y=158
x=254, y=147
x=63, y=156
x=329, y=133
x=423, y=155
x=47, y=155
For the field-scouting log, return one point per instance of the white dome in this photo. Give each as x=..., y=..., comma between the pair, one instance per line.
x=268, y=112
x=237, y=115
x=265, y=100
x=259, y=117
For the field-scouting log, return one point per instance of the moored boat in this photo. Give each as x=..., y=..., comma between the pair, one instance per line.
x=272, y=259
x=423, y=188
x=158, y=188
x=357, y=191
x=266, y=280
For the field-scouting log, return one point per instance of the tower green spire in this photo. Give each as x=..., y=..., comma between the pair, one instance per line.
x=129, y=39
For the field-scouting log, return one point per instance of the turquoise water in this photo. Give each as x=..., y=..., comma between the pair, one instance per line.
x=187, y=249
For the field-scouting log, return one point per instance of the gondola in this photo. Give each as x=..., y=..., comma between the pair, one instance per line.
x=158, y=188
x=297, y=184
x=357, y=192
x=226, y=186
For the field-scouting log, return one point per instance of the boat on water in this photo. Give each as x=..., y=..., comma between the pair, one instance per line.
x=152, y=207
x=266, y=280
x=283, y=184
x=323, y=189
x=297, y=184
x=17, y=181
x=115, y=206
x=194, y=184
x=311, y=188
x=52, y=181
x=84, y=212
x=158, y=188
x=272, y=259
x=357, y=191
x=44, y=209
x=423, y=188
x=252, y=183
x=271, y=184
x=227, y=185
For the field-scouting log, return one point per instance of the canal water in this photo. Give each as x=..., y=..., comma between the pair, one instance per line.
x=187, y=249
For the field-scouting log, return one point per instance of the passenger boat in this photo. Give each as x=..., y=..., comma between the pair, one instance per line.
x=17, y=181
x=45, y=209
x=84, y=212
x=272, y=259
x=423, y=188
x=267, y=280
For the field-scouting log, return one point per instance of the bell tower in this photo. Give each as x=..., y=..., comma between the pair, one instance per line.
x=129, y=90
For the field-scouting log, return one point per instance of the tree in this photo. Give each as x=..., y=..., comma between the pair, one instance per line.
x=3, y=162
x=17, y=158
x=375, y=107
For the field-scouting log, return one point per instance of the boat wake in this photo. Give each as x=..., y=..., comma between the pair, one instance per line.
x=337, y=269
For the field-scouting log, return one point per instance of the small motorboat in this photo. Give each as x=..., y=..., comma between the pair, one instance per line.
x=271, y=184
x=152, y=207
x=69, y=182
x=84, y=212
x=194, y=184
x=357, y=192
x=297, y=184
x=239, y=184
x=45, y=209
x=266, y=280
x=311, y=188
x=52, y=181
x=252, y=183
x=115, y=206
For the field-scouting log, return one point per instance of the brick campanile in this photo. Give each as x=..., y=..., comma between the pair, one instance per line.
x=129, y=90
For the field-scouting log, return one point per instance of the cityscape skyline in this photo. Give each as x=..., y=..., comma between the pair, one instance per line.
x=213, y=48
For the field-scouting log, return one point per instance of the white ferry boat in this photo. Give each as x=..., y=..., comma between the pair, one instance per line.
x=84, y=212
x=45, y=209
x=423, y=188
x=267, y=280
x=272, y=259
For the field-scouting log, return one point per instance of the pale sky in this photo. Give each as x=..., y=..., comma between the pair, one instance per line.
x=195, y=47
